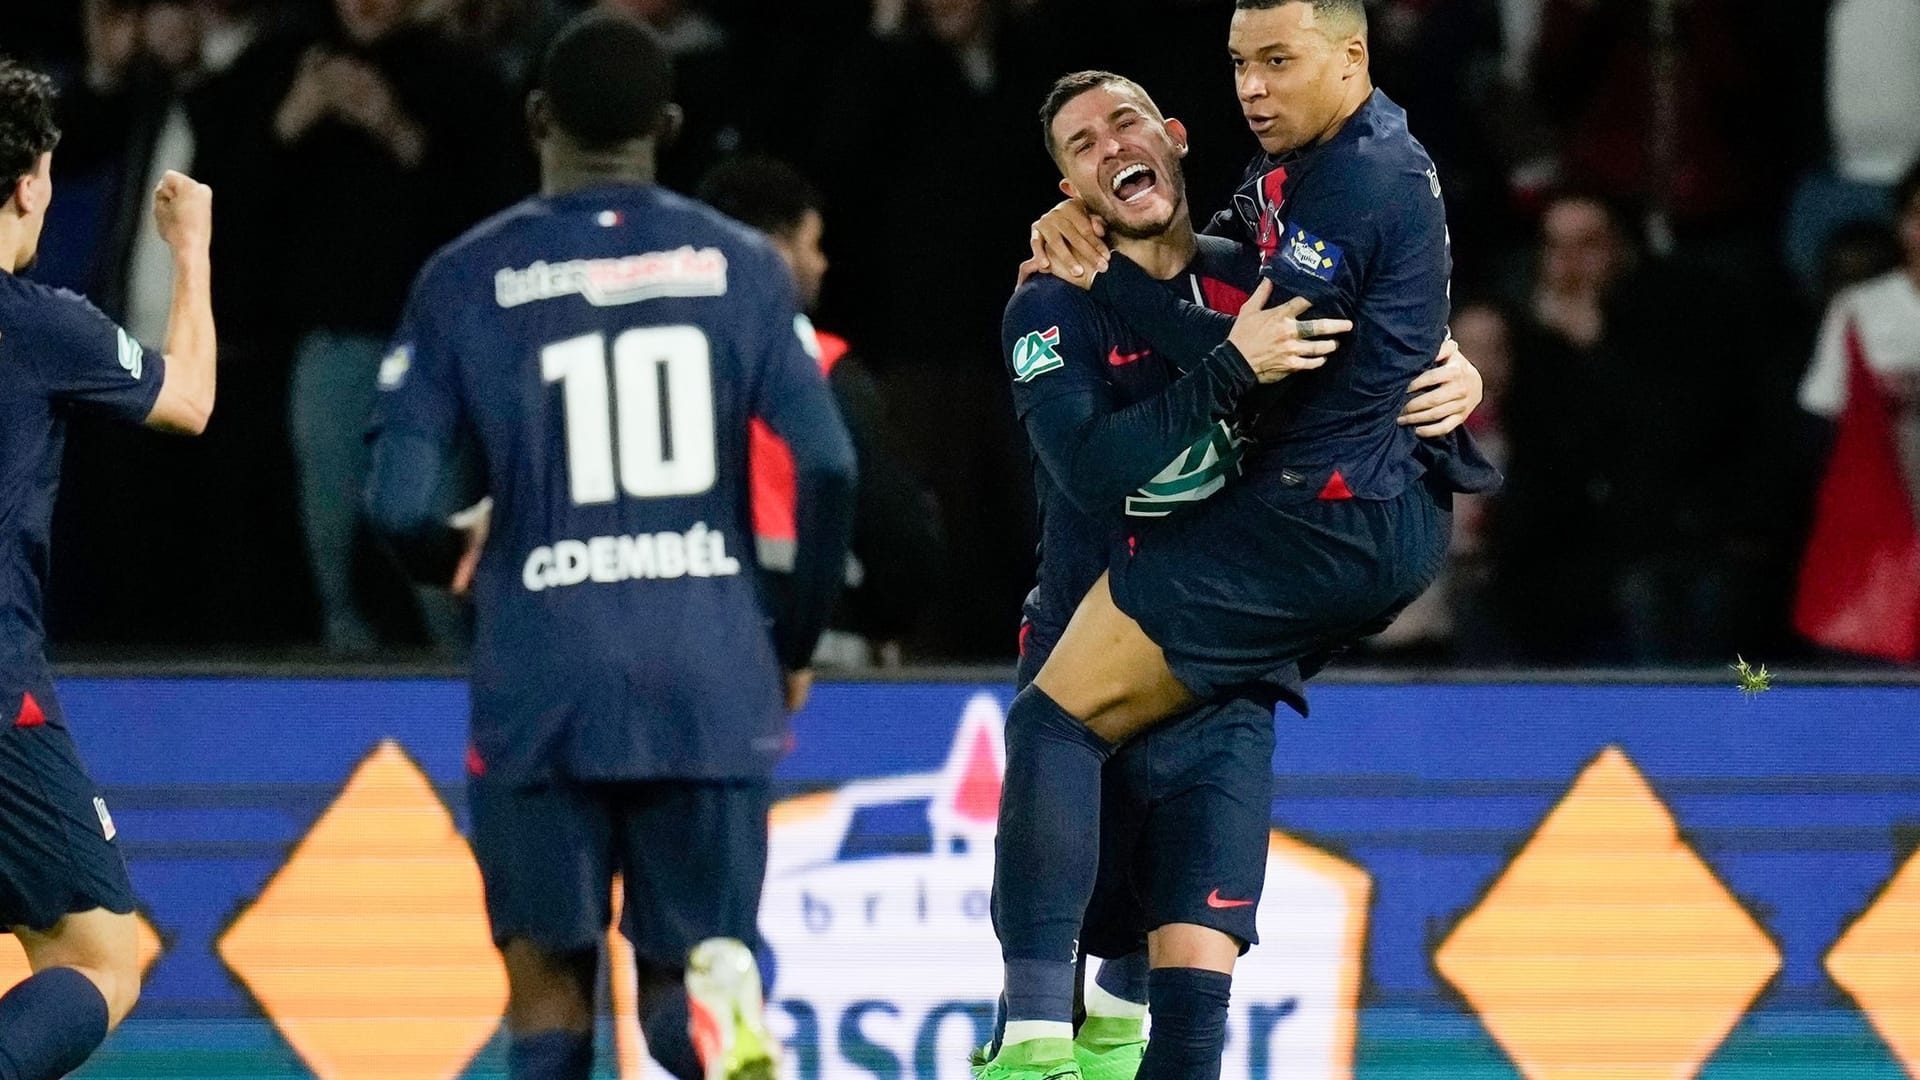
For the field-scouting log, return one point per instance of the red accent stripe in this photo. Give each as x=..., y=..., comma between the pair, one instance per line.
x=30, y=714
x=1221, y=296
x=475, y=765
x=1026, y=628
x=1336, y=488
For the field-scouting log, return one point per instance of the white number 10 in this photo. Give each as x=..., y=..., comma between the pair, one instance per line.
x=662, y=401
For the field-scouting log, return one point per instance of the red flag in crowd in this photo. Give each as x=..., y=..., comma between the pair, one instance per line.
x=1860, y=582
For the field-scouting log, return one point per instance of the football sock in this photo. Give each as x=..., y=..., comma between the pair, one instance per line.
x=1189, y=1024
x=666, y=1021
x=1117, y=1002
x=551, y=1055
x=1048, y=853
x=50, y=1024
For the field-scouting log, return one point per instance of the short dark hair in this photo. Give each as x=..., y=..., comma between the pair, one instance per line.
x=1068, y=87
x=1352, y=9
x=607, y=79
x=760, y=191
x=26, y=121
x=1907, y=188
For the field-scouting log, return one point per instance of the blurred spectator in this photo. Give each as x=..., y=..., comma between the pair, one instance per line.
x=1873, y=115
x=1860, y=582
x=1614, y=529
x=392, y=141
x=897, y=545
x=1885, y=312
x=707, y=83
x=1456, y=615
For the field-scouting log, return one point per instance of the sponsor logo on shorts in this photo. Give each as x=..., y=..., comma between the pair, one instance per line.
x=393, y=369
x=106, y=820
x=1215, y=900
x=630, y=279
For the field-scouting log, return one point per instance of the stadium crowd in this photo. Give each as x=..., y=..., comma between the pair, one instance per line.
x=1686, y=236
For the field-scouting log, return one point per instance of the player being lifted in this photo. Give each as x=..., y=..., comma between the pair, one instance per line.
x=1337, y=522
x=604, y=345
x=1121, y=437
x=63, y=883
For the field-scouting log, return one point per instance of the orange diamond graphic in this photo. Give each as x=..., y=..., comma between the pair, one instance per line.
x=1878, y=961
x=1608, y=950
x=370, y=948
x=13, y=959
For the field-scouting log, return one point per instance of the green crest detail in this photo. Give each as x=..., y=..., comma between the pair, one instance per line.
x=1036, y=354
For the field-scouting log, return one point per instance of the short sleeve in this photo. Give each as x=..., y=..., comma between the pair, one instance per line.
x=419, y=377
x=1823, y=390
x=89, y=362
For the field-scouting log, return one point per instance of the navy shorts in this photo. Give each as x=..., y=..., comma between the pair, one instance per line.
x=58, y=852
x=1238, y=586
x=1185, y=814
x=692, y=856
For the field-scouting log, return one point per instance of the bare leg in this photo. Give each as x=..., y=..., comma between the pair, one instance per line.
x=1109, y=674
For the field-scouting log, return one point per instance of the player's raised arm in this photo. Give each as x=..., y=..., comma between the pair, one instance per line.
x=183, y=215
x=792, y=397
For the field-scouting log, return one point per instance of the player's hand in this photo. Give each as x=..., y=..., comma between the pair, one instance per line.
x=1443, y=396
x=183, y=213
x=1276, y=341
x=799, y=687
x=1068, y=243
x=475, y=521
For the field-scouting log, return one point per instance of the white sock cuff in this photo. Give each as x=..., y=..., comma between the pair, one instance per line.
x=1019, y=1031
x=1102, y=1003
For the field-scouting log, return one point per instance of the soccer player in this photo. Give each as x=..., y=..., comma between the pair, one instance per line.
x=897, y=541
x=605, y=344
x=1121, y=438
x=1332, y=529
x=64, y=890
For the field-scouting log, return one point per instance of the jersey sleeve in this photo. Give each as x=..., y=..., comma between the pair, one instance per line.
x=1823, y=390
x=414, y=435
x=89, y=362
x=1324, y=253
x=791, y=395
x=1097, y=450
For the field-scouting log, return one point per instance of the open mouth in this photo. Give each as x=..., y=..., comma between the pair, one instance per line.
x=1133, y=183
x=1259, y=123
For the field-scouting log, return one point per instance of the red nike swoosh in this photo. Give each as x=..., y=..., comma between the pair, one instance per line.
x=1120, y=359
x=1214, y=901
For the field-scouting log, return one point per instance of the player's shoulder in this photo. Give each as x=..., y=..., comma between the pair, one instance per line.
x=1384, y=157
x=1045, y=298
x=480, y=245
x=34, y=311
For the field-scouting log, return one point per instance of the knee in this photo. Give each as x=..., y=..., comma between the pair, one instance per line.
x=1186, y=945
x=548, y=991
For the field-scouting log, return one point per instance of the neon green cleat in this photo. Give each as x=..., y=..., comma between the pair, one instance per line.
x=1114, y=1062
x=1110, y=1049
x=1035, y=1059
x=729, y=1021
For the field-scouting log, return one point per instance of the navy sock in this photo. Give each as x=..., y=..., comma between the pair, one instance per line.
x=551, y=1055
x=1048, y=852
x=50, y=1024
x=666, y=1020
x=1125, y=977
x=1189, y=1016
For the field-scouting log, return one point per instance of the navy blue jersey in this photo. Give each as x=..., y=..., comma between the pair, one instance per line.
x=605, y=350
x=1110, y=443
x=58, y=355
x=1356, y=225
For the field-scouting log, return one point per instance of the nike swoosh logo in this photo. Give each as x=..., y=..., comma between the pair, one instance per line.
x=1214, y=901
x=1120, y=359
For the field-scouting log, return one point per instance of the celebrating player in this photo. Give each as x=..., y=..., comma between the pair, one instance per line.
x=63, y=883
x=605, y=345
x=1122, y=437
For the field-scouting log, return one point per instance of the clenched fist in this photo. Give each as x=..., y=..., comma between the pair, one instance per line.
x=183, y=213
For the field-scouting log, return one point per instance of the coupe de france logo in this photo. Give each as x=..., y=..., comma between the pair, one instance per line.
x=877, y=911
x=1036, y=354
